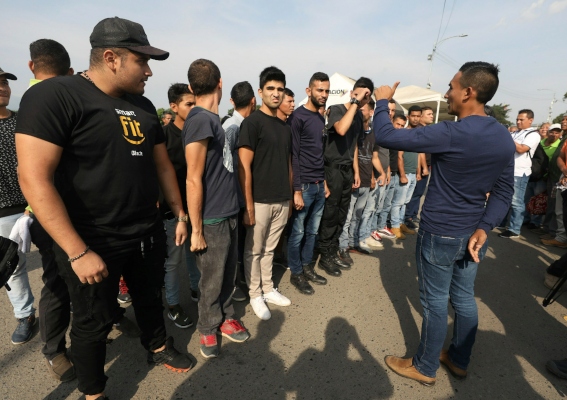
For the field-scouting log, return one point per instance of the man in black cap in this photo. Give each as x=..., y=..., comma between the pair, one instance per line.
x=91, y=154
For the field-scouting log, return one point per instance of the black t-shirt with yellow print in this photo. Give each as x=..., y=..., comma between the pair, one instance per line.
x=106, y=176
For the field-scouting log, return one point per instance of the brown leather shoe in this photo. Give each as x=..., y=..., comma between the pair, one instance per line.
x=61, y=368
x=406, y=230
x=398, y=233
x=457, y=372
x=404, y=367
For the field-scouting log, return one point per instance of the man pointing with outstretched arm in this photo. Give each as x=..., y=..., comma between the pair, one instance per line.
x=455, y=220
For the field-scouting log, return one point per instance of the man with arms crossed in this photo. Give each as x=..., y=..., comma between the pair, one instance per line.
x=455, y=221
x=264, y=170
x=95, y=134
x=213, y=208
x=307, y=126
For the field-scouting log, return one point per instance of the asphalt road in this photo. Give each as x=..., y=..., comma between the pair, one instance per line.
x=332, y=345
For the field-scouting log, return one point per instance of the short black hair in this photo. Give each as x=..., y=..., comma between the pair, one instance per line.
x=363, y=82
x=49, y=56
x=529, y=113
x=165, y=113
x=97, y=52
x=318, y=76
x=177, y=91
x=414, y=108
x=488, y=110
x=271, y=74
x=204, y=76
x=241, y=94
x=392, y=101
x=426, y=108
x=481, y=76
x=399, y=116
x=371, y=103
x=288, y=92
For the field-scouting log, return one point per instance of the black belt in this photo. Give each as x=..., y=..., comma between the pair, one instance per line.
x=342, y=167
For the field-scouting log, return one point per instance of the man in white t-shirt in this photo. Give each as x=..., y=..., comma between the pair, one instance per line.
x=526, y=140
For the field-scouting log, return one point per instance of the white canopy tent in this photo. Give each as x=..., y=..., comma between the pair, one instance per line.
x=414, y=95
x=341, y=85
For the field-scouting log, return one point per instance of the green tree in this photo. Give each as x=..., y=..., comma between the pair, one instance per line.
x=565, y=96
x=557, y=120
x=501, y=112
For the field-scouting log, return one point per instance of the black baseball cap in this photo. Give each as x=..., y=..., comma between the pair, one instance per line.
x=8, y=75
x=119, y=32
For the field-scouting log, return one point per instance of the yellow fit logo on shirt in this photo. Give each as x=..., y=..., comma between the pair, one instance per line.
x=131, y=127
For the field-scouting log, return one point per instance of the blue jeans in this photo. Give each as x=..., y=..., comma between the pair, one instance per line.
x=446, y=272
x=367, y=223
x=21, y=295
x=533, y=189
x=384, y=208
x=350, y=234
x=174, y=263
x=304, y=226
x=402, y=197
x=518, y=207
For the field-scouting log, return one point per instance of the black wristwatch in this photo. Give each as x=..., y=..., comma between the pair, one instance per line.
x=354, y=100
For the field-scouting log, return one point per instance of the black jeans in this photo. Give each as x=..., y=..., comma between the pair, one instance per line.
x=339, y=182
x=54, y=304
x=94, y=306
x=217, y=264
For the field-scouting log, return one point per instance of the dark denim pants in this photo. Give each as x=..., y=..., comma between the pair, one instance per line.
x=55, y=303
x=446, y=272
x=94, y=306
x=304, y=225
x=217, y=264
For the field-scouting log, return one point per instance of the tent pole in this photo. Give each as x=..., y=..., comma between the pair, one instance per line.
x=437, y=114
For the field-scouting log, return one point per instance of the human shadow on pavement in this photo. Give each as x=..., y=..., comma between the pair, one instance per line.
x=248, y=370
x=511, y=286
x=333, y=373
x=399, y=278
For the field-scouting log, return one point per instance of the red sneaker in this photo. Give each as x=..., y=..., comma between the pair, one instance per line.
x=209, y=347
x=233, y=330
x=123, y=295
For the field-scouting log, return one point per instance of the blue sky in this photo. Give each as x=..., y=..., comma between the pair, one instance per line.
x=383, y=40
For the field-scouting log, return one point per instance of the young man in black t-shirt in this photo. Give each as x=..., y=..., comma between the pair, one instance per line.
x=344, y=125
x=212, y=199
x=91, y=158
x=264, y=171
x=181, y=102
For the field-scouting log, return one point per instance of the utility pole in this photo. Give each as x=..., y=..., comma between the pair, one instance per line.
x=553, y=101
x=430, y=56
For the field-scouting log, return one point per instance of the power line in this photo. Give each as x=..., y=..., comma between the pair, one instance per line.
x=449, y=20
x=441, y=24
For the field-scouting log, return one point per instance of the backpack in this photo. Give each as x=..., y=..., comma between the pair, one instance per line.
x=8, y=260
x=540, y=163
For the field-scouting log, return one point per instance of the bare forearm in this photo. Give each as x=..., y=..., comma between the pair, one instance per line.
x=343, y=125
x=401, y=169
x=195, y=204
x=170, y=189
x=245, y=177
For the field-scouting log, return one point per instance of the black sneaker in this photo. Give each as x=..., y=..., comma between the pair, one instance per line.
x=509, y=235
x=127, y=327
x=558, y=368
x=179, y=318
x=195, y=295
x=532, y=227
x=301, y=284
x=238, y=294
x=410, y=224
x=170, y=358
x=24, y=330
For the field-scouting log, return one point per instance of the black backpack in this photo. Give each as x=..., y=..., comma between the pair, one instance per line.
x=8, y=260
x=540, y=162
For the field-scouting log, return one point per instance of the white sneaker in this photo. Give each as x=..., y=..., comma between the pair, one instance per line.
x=277, y=298
x=373, y=243
x=363, y=246
x=260, y=309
